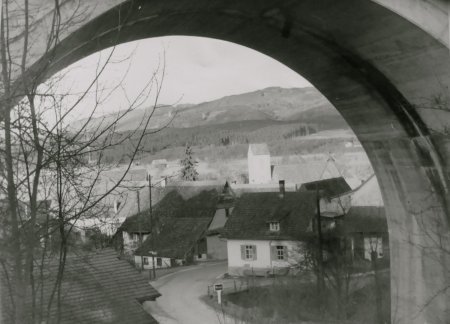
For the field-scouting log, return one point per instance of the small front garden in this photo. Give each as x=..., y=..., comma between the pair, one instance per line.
x=288, y=300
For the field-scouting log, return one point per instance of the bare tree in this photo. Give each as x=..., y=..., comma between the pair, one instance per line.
x=44, y=158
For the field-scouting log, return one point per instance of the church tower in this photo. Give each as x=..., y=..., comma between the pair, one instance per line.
x=259, y=171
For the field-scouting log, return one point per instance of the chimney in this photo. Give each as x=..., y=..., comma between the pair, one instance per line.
x=282, y=189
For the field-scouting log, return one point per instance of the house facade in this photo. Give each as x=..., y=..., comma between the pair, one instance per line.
x=266, y=230
x=179, y=236
x=366, y=228
x=262, y=257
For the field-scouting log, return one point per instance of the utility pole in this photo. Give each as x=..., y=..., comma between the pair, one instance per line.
x=139, y=226
x=152, y=232
x=321, y=282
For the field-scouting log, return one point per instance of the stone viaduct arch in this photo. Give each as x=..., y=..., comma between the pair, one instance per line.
x=384, y=73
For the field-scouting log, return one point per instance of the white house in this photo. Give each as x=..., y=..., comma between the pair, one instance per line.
x=259, y=169
x=265, y=231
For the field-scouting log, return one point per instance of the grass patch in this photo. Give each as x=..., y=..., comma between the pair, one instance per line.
x=290, y=301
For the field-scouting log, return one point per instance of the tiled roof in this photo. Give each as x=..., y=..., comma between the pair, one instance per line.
x=168, y=206
x=98, y=288
x=253, y=211
x=365, y=219
x=177, y=237
x=305, y=172
x=203, y=204
x=259, y=149
x=328, y=187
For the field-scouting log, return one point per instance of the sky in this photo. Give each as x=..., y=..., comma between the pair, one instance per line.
x=196, y=70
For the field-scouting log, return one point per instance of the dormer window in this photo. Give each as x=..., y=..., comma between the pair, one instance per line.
x=274, y=226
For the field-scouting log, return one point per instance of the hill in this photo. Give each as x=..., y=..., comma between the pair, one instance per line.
x=270, y=104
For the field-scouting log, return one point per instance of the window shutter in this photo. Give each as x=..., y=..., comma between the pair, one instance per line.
x=285, y=253
x=273, y=252
x=242, y=252
x=254, y=252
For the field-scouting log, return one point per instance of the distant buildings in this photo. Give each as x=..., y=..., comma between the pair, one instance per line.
x=260, y=227
x=261, y=172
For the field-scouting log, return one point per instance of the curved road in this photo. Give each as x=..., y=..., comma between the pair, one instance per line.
x=181, y=291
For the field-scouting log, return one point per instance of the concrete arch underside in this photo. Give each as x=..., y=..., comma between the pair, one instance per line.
x=382, y=73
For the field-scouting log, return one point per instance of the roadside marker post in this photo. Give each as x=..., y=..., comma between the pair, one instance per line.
x=218, y=288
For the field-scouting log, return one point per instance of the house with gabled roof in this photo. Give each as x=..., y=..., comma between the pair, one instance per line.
x=366, y=228
x=181, y=240
x=335, y=199
x=137, y=228
x=265, y=231
x=179, y=229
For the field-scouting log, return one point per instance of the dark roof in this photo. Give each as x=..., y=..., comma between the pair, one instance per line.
x=99, y=288
x=177, y=237
x=253, y=212
x=173, y=205
x=365, y=219
x=329, y=187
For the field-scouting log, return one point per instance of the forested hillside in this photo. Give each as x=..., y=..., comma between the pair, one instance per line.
x=269, y=115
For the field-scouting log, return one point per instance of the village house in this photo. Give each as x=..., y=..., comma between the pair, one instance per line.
x=180, y=241
x=366, y=228
x=358, y=215
x=265, y=231
x=180, y=227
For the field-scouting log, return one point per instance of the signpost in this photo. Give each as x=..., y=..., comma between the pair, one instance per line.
x=218, y=288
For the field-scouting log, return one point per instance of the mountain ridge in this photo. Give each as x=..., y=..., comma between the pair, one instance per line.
x=272, y=103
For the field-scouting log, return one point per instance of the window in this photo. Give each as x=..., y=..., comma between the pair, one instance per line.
x=280, y=252
x=373, y=244
x=248, y=252
x=145, y=261
x=274, y=226
x=159, y=262
x=133, y=237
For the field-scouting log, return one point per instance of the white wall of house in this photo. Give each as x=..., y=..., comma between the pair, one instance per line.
x=265, y=259
x=160, y=262
x=259, y=170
